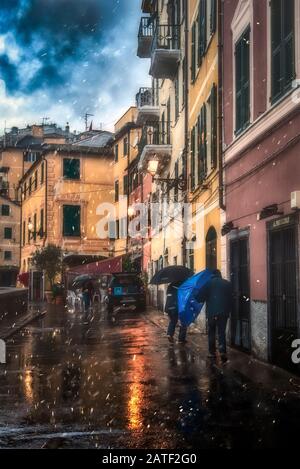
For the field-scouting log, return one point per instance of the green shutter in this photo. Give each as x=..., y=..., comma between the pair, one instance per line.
x=282, y=46
x=193, y=158
x=71, y=168
x=214, y=126
x=202, y=149
x=41, y=223
x=71, y=220
x=213, y=16
x=193, y=53
x=242, y=81
x=202, y=26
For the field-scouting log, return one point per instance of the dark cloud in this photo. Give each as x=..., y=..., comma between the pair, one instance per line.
x=79, y=54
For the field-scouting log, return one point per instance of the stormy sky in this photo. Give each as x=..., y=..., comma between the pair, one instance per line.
x=63, y=58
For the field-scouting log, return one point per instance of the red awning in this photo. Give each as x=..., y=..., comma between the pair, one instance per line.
x=108, y=266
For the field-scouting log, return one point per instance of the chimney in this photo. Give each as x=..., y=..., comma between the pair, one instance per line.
x=67, y=128
x=37, y=131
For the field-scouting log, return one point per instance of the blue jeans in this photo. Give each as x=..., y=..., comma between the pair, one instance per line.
x=214, y=323
x=172, y=326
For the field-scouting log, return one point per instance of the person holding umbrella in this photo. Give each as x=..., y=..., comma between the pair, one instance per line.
x=174, y=275
x=171, y=308
x=217, y=294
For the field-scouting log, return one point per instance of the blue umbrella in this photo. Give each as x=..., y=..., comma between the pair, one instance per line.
x=188, y=307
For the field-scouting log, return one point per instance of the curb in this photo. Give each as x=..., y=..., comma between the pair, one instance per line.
x=20, y=326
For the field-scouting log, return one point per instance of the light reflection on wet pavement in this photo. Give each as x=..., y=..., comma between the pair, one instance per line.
x=97, y=383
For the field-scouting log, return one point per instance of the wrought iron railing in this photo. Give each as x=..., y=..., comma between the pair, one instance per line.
x=155, y=133
x=146, y=27
x=144, y=97
x=166, y=36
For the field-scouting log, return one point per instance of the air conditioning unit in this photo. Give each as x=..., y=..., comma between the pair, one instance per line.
x=295, y=200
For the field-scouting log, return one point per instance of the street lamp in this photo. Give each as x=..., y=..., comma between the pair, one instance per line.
x=131, y=211
x=171, y=183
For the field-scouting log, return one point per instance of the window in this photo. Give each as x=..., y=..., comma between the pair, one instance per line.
x=116, y=191
x=282, y=48
x=168, y=122
x=193, y=158
x=242, y=81
x=125, y=146
x=116, y=153
x=34, y=227
x=211, y=248
x=30, y=185
x=71, y=168
x=202, y=30
x=213, y=16
x=41, y=223
x=30, y=156
x=7, y=233
x=125, y=184
x=24, y=233
x=35, y=180
x=71, y=220
x=5, y=210
x=176, y=175
x=202, y=145
x=191, y=259
x=42, y=173
x=175, y=260
x=193, y=52
x=25, y=190
x=7, y=255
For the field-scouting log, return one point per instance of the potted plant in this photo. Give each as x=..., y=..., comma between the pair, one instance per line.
x=49, y=260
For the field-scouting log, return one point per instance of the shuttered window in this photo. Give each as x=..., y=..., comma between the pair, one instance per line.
x=7, y=233
x=193, y=158
x=71, y=168
x=116, y=191
x=116, y=153
x=213, y=16
x=71, y=220
x=193, y=52
x=42, y=173
x=41, y=223
x=242, y=81
x=202, y=148
x=34, y=226
x=5, y=211
x=176, y=86
x=214, y=126
x=283, y=47
x=202, y=27
x=125, y=184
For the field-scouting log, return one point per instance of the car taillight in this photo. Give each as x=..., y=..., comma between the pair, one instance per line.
x=110, y=291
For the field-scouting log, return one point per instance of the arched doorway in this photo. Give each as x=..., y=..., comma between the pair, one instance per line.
x=211, y=249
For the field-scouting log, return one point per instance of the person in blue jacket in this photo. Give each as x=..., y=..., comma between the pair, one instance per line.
x=217, y=294
x=171, y=308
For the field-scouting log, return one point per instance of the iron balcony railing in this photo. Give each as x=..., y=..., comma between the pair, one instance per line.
x=155, y=133
x=145, y=97
x=146, y=27
x=166, y=36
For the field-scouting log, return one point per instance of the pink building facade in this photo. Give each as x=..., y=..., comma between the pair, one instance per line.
x=261, y=103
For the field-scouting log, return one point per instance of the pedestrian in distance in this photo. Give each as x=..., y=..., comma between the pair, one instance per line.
x=171, y=308
x=217, y=294
x=87, y=293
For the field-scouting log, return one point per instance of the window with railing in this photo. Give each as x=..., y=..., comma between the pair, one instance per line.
x=144, y=97
x=155, y=133
x=146, y=28
x=166, y=36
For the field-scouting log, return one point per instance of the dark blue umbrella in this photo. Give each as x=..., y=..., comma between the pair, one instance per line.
x=188, y=307
x=171, y=274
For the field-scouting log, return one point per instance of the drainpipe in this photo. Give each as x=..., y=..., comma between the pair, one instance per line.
x=220, y=102
x=186, y=118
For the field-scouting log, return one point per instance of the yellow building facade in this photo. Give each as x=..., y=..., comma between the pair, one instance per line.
x=125, y=146
x=62, y=202
x=204, y=135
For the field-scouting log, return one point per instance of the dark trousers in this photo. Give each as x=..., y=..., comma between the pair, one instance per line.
x=172, y=326
x=217, y=323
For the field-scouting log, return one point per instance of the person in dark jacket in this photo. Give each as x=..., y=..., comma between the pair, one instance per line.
x=171, y=308
x=217, y=294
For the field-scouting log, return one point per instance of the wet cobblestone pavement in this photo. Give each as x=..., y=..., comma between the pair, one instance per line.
x=77, y=382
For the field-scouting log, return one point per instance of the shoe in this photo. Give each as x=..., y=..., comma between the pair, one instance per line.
x=170, y=339
x=224, y=358
x=182, y=342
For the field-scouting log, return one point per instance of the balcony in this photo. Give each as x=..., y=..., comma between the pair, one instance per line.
x=155, y=145
x=166, y=52
x=146, y=111
x=145, y=37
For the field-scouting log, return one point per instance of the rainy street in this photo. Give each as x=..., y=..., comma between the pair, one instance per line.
x=92, y=382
